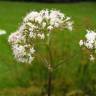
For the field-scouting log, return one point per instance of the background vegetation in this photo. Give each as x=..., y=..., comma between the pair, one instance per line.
x=31, y=80
x=51, y=1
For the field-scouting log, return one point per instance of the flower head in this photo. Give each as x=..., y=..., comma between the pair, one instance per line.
x=36, y=26
x=90, y=43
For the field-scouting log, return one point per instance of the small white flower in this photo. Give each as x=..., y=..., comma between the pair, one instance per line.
x=44, y=24
x=15, y=38
x=68, y=18
x=90, y=36
x=31, y=58
x=2, y=32
x=92, y=58
x=41, y=36
x=31, y=16
x=50, y=28
x=56, y=25
x=38, y=19
x=32, y=34
x=32, y=50
x=69, y=25
x=18, y=51
x=89, y=45
x=30, y=24
x=81, y=42
x=45, y=14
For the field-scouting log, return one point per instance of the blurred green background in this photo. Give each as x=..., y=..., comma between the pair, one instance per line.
x=50, y=1
x=31, y=80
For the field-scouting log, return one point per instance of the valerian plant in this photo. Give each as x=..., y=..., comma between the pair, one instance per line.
x=36, y=30
x=88, y=46
x=89, y=43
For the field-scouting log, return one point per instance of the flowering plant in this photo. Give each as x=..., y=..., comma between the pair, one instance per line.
x=37, y=28
x=89, y=43
x=88, y=46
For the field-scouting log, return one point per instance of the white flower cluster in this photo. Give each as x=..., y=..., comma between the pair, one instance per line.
x=89, y=42
x=23, y=51
x=48, y=20
x=36, y=26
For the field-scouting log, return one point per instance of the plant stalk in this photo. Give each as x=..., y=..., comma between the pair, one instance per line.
x=49, y=80
x=50, y=69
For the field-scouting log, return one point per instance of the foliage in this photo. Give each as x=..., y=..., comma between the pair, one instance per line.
x=14, y=75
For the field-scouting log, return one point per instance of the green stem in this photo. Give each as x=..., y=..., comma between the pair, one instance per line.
x=49, y=70
x=49, y=81
x=84, y=76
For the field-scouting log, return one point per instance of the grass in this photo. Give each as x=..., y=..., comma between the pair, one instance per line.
x=14, y=75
